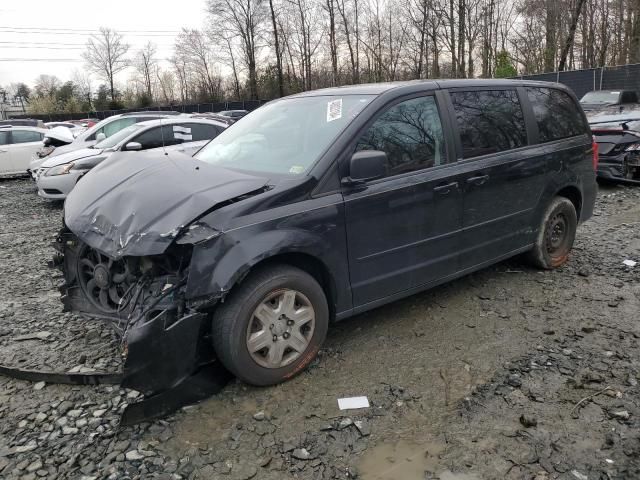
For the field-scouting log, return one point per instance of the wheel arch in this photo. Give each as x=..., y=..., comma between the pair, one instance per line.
x=573, y=194
x=304, y=261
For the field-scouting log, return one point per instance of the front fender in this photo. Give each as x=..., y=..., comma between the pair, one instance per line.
x=216, y=266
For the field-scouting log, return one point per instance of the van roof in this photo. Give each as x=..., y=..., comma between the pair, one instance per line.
x=417, y=85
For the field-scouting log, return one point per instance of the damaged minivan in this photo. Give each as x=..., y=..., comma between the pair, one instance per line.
x=314, y=208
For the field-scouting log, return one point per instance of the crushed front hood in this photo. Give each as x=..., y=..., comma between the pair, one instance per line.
x=136, y=202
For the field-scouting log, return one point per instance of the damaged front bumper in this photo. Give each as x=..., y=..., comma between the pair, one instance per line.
x=623, y=168
x=166, y=344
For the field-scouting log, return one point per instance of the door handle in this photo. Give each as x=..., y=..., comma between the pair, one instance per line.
x=479, y=180
x=445, y=189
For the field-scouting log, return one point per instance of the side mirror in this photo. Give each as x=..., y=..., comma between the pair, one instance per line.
x=133, y=146
x=100, y=136
x=366, y=165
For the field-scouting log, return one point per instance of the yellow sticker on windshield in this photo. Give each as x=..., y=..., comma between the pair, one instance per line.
x=296, y=169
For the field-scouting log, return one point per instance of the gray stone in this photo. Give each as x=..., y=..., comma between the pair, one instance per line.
x=36, y=465
x=133, y=455
x=301, y=454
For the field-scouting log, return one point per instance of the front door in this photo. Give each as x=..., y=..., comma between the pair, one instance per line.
x=401, y=229
x=503, y=176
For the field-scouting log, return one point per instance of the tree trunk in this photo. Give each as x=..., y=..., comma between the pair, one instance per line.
x=278, y=52
x=572, y=33
x=461, y=42
x=634, y=42
x=550, y=36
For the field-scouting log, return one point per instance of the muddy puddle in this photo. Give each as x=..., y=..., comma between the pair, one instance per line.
x=399, y=460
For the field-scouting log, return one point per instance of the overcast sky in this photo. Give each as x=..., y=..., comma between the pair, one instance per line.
x=27, y=49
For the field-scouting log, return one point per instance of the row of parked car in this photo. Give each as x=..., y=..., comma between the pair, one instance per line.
x=58, y=154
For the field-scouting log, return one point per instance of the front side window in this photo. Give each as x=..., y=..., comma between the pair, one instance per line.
x=410, y=133
x=556, y=113
x=4, y=138
x=118, y=137
x=116, y=126
x=285, y=137
x=164, y=136
x=26, y=136
x=489, y=121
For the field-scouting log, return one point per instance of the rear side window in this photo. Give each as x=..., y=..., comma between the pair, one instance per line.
x=489, y=121
x=556, y=113
x=26, y=136
x=157, y=137
x=201, y=131
x=410, y=133
x=4, y=138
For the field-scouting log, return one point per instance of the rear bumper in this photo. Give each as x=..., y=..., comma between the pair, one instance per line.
x=612, y=168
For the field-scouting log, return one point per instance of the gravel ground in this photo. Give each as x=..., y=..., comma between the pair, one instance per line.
x=506, y=373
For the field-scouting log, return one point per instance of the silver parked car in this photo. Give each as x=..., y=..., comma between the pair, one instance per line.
x=99, y=132
x=58, y=175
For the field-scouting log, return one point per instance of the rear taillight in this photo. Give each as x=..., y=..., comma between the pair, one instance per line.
x=594, y=146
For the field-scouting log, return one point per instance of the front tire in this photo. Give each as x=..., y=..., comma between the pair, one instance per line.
x=271, y=326
x=555, y=235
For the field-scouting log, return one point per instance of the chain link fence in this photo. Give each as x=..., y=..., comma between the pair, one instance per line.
x=191, y=108
x=621, y=77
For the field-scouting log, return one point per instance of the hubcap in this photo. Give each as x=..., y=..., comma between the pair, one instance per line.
x=556, y=233
x=280, y=328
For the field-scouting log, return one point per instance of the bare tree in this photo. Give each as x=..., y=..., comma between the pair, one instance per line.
x=146, y=65
x=106, y=56
x=46, y=85
x=278, y=51
x=245, y=18
x=83, y=83
x=196, y=50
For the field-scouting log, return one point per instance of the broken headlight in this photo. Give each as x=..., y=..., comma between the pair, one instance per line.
x=196, y=233
x=59, y=170
x=634, y=147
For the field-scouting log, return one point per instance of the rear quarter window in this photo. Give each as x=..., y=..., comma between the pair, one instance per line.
x=489, y=121
x=557, y=114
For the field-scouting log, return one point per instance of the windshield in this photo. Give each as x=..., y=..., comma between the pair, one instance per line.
x=116, y=138
x=284, y=137
x=600, y=97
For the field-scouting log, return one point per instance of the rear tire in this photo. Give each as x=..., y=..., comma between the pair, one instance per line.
x=556, y=235
x=271, y=326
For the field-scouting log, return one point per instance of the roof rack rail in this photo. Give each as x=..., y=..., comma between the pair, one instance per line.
x=153, y=112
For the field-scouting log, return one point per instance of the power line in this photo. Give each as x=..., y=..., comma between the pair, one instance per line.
x=69, y=44
x=42, y=47
x=87, y=34
x=41, y=60
x=88, y=30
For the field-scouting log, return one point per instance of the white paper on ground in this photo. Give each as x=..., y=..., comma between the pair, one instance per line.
x=630, y=263
x=353, y=402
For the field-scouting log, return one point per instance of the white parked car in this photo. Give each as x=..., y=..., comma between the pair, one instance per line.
x=106, y=128
x=18, y=145
x=58, y=175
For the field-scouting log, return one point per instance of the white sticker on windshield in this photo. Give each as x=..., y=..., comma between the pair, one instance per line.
x=334, y=110
x=615, y=93
x=296, y=169
x=182, y=133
